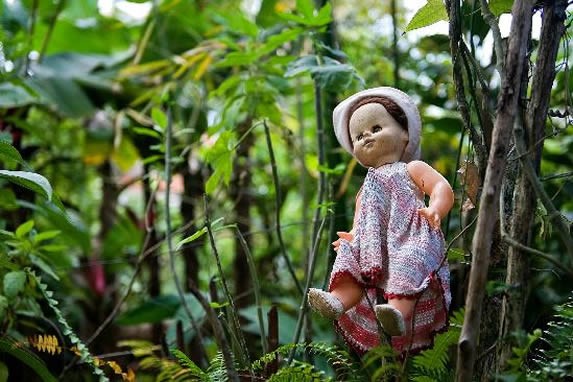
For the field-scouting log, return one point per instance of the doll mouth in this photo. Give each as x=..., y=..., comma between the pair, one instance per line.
x=368, y=142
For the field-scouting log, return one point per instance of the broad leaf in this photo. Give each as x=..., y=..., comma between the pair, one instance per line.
x=30, y=180
x=429, y=14
x=153, y=310
x=14, y=283
x=9, y=152
x=24, y=228
x=497, y=7
x=12, y=95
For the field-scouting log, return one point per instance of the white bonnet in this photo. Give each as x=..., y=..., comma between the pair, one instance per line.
x=341, y=118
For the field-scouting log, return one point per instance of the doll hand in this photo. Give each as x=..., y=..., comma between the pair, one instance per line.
x=342, y=235
x=432, y=216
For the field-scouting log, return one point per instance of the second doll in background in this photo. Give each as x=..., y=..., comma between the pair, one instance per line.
x=395, y=246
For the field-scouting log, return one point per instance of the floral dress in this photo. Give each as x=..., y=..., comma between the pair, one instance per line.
x=396, y=252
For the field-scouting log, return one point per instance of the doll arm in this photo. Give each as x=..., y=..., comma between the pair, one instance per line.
x=434, y=184
x=349, y=235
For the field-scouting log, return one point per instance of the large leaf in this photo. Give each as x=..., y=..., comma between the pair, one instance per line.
x=30, y=180
x=330, y=74
x=497, y=7
x=63, y=94
x=12, y=95
x=9, y=152
x=431, y=13
x=151, y=311
x=14, y=283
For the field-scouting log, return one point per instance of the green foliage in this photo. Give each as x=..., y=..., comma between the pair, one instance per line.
x=84, y=353
x=497, y=7
x=435, y=364
x=10, y=346
x=30, y=180
x=431, y=13
x=299, y=371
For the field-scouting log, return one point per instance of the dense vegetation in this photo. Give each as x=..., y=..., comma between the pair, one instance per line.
x=170, y=184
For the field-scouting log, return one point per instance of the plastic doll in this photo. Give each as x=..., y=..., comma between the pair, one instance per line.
x=395, y=246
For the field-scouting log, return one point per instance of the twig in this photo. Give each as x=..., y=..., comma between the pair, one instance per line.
x=33, y=17
x=168, y=131
x=491, y=20
x=233, y=312
x=278, y=198
x=256, y=286
x=303, y=307
x=50, y=30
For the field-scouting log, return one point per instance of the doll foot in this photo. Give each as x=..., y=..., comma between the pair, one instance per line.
x=391, y=319
x=325, y=303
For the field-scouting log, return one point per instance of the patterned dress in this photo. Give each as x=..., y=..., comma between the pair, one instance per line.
x=396, y=252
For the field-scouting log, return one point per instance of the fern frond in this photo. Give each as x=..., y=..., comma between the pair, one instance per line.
x=45, y=343
x=11, y=346
x=434, y=362
x=85, y=354
x=190, y=366
x=299, y=372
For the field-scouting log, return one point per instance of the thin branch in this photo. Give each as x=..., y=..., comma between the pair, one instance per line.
x=256, y=286
x=33, y=17
x=491, y=20
x=233, y=312
x=278, y=198
x=303, y=308
x=50, y=30
x=567, y=174
x=553, y=213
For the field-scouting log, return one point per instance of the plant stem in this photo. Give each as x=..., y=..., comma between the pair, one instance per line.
x=278, y=198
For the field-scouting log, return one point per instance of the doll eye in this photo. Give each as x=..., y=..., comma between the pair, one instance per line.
x=359, y=137
x=376, y=128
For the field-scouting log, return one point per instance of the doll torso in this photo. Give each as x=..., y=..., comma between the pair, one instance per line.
x=395, y=246
x=395, y=251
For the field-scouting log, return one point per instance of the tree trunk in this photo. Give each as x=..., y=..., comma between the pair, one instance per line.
x=489, y=201
x=525, y=198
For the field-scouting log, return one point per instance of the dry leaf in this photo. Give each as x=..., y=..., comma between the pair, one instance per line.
x=469, y=178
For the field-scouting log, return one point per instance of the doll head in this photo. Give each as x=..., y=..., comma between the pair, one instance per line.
x=378, y=126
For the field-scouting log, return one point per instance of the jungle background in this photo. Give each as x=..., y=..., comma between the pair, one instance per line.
x=171, y=184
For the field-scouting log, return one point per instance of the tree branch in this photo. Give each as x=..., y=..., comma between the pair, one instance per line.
x=481, y=246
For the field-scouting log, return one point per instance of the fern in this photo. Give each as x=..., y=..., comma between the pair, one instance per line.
x=434, y=362
x=192, y=368
x=10, y=346
x=382, y=363
x=45, y=343
x=299, y=372
x=556, y=362
x=82, y=349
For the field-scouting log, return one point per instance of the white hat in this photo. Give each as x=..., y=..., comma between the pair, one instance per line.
x=341, y=118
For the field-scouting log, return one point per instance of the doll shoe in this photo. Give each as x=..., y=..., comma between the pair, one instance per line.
x=325, y=303
x=391, y=319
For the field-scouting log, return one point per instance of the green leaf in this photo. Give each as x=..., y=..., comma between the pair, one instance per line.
x=192, y=238
x=153, y=310
x=3, y=306
x=159, y=117
x=46, y=235
x=14, y=283
x=30, y=180
x=44, y=267
x=63, y=94
x=305, y=7
x=9, y=345
x=12, y=95
x=24, y=228
x=278, y=40
x=431, y=13
x=456, y=254
x=3, y=372
x=238, y=59
x=9, y=152
x=497, y=7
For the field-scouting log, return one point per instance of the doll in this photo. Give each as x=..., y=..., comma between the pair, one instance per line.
x=395, y=246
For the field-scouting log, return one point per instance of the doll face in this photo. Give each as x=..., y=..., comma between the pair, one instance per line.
x=376, y=136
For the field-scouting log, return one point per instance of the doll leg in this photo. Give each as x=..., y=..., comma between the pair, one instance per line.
x=395, y=316
x=331, y=305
